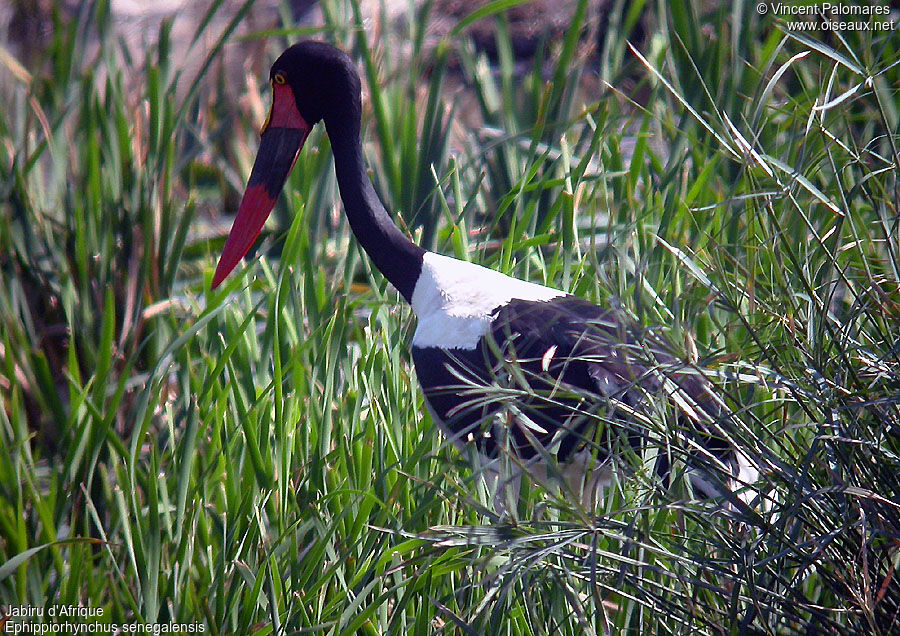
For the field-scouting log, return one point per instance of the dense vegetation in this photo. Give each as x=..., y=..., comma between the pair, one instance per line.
x=258, y=458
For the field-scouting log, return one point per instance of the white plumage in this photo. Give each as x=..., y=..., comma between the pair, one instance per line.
x=454, y=301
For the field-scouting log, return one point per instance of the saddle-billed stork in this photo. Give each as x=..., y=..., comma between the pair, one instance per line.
x=505, y=364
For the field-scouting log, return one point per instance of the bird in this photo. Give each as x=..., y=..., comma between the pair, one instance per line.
x=525, y=378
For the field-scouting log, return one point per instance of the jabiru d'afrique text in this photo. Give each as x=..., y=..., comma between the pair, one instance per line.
x=580, y=364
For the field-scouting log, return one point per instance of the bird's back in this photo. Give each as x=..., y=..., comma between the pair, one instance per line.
x=553, y=373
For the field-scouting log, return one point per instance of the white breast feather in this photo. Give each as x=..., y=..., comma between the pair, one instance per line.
x=453, y=301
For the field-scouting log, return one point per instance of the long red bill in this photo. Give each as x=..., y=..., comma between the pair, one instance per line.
x=280, y=143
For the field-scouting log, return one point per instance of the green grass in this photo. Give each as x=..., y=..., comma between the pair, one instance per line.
x=259, y=459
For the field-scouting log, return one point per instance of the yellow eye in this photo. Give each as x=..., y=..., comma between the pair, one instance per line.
x=279, y=78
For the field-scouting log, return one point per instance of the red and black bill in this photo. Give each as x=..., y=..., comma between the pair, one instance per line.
x=282, y=138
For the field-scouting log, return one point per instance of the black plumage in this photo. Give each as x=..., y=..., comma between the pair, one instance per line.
x=568, y=366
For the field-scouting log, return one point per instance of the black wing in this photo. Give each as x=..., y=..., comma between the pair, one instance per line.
x=561, y=366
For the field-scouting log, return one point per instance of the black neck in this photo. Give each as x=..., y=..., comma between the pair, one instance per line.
x=395, y=256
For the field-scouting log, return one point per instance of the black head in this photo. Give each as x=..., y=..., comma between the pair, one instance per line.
x=311, y=81
x=323, y=79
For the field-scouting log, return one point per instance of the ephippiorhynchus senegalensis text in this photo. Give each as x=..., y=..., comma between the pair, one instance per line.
x=555, y=366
